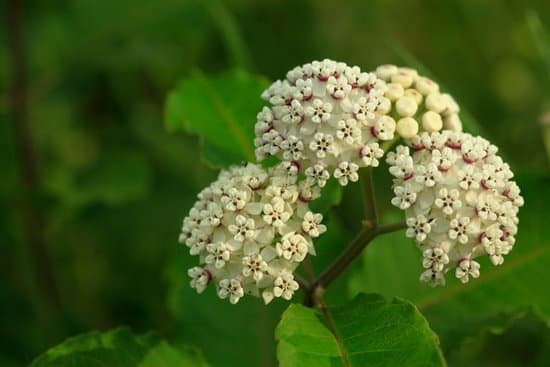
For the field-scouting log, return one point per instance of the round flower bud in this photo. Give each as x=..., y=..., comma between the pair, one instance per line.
x=459, y=199
x=431, y=121
x=419, y=98
x=250, y=229
x=407, y=127
x=323, y=118
x=406, y=106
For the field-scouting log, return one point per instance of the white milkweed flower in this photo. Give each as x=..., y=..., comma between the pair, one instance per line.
x=416, y=103
x=327, y=118
x=459, y=200
x=250, y=229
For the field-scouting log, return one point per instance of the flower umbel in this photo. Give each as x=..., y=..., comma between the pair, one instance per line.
x=324, y=117
x=251, y=228
x=459, y=199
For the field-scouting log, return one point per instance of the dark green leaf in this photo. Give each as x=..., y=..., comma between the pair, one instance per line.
x=118, y=348
x=369, y=331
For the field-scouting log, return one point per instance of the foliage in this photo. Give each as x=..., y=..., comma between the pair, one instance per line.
x=370, y=330
x=114, y=185
x=118, y=348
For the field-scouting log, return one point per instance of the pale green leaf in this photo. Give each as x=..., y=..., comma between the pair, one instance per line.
x=221, y=110
x=369, y=331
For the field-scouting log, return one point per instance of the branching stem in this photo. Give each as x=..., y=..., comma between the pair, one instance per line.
x=371, y=229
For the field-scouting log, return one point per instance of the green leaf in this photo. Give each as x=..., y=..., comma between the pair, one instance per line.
x=369, y=331
x=522, y=339
x=392, y=266
x=118, y=348
x=221, y=110
x=234, y=335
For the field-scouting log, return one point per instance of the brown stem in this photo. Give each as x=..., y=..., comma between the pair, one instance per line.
x=354, y=250
x=27, y=162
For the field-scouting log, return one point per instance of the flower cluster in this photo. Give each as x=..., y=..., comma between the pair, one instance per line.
x=416, y=102
x=251, y=228
x=459, y=200
x=325, y=118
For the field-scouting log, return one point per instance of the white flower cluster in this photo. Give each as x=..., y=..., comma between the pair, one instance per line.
x=459, y=200
x=326, y=117
x=416, y=102
x=251, y=228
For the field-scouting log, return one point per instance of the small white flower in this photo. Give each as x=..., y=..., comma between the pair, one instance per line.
x=312, y=224
x=293, y=247
x=459, y=229
x=467, y=268
x=285, y=286
x=419, y=227
x=231, y=288
x=404, y=197
x=199, y=278
x=348, y=131
x=292, y=148
x=319, y=111
x=244, y=228
x=322, y=144
x=235, y=199
x=254, y=265
x=370, y=154
x=317, y=174
x=276, y=213
x=338, y=88
x=448, y=200
x=218, y=254
x=346, y=172
x=435, y=258
x=432, y=277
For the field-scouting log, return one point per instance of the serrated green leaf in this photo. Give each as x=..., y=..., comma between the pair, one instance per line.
x=369, y=331
x=118, y=348
x=392, y=266
x=221, y=110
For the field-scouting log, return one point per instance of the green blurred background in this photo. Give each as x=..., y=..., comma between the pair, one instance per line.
x=114, y=186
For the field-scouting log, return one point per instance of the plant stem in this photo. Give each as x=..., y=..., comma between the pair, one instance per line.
x=33, y=218
x=369, y=201
x=371, y=229
x=354, y=250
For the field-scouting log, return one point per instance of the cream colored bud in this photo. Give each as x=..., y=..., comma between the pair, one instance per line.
x=431, y=121
x=426, y=86
x=435, y=102
x=384, y=106
x=394, y=91
x=415, y=94
x=452, y=106
x=406, y=106
x=453, y=123
x=407, y=127
x=404, y=78
x=386, y=71
x=388, y=122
